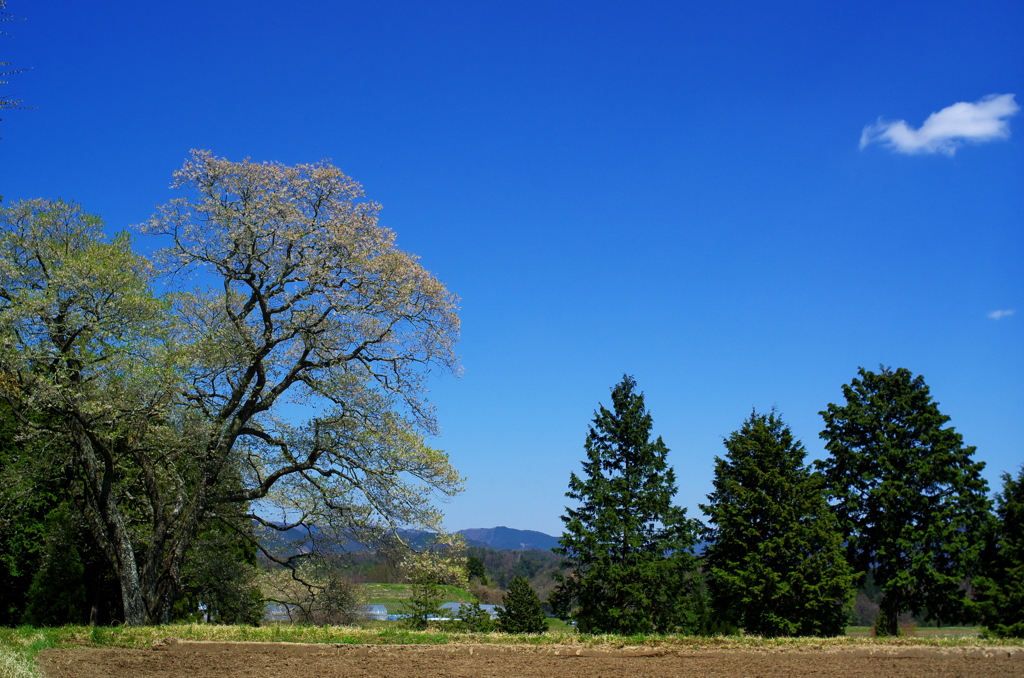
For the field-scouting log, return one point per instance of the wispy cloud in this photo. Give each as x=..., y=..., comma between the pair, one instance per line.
x=945, y=131
x=996, y=315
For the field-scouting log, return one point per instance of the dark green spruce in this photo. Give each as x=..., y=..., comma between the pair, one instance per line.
x=909, y=497
x=776, y=564
x=520, y=610
x=999, y=594
x=627, y=548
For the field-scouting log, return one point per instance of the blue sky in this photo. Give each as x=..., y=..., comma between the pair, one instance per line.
x=676, y=192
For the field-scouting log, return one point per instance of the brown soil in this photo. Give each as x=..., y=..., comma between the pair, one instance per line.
x=291, y=660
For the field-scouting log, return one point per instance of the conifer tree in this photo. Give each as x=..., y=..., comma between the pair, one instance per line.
x=628, y=549
x=475, y=569
x=1000, y=593
x=910, y=500
x=776, y=564
x=474, y=619
x=520, y=610
x=424, y=603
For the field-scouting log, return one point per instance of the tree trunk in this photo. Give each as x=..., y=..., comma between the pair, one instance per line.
x=126, y=569
x=134, y=608
x=887, y=623
x=94, y=496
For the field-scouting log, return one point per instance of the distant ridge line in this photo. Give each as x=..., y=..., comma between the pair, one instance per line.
x=503, y=538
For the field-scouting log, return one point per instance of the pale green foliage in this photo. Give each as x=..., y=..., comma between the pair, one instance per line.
x=441, y=562
x=296, y=379
x=86, y=366
x=316, y=306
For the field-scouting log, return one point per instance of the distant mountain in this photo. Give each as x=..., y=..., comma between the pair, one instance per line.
x=494, y=538
x=508, y=539
x=300, y=539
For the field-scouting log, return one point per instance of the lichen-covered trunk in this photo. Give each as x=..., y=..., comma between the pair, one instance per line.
x=131, y=594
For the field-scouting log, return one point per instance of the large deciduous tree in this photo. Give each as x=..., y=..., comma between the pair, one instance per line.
x=775, y=564
x=909, y=497
x=627, y=548
x=294, y=379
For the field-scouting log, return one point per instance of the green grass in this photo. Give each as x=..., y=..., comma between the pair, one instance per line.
x=559, y=626
x=923, y=631
x=395, y=596
x=18, y=647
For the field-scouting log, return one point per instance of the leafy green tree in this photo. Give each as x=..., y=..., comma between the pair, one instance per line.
x=910, y=500
x=54, y=573
x=628, y=549
x=776, y=564
x=23, y=509
x=999, y=594
x=442, y=561
x=218, y=577
x=57, y=594
x=520, y=610
x=48, y=565
x=167, y=410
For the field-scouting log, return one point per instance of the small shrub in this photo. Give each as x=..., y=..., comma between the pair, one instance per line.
x=338, y=603
x=424, y=604
x=485, y=594
x=474, y=619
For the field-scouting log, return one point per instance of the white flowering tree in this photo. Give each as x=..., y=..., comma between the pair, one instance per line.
x=291, y=376
x=442, y=562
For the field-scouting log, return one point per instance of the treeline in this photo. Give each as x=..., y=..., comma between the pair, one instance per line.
x=142, y=418
x=489, y=573
x=897, y=507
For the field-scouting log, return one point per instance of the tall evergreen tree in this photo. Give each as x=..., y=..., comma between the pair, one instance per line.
x=629, y=550
x=909, y=498
x=776, y=564
x=1000, y=592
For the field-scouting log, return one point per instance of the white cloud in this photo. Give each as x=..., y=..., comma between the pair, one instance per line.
x=996, y=315
x=943, y=132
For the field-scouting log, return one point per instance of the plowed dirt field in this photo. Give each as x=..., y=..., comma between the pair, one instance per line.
x=291, y=660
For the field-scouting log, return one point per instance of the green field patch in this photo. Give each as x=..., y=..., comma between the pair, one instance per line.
x=395, y=597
